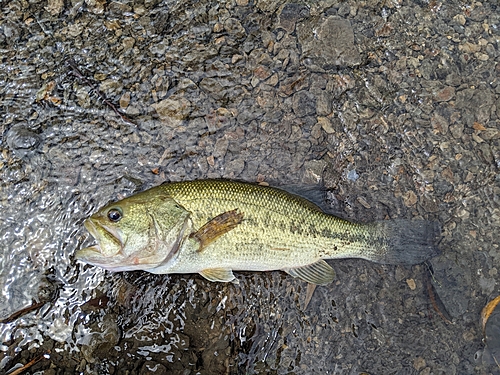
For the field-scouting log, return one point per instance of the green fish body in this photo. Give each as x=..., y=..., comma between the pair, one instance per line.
x=213, y=227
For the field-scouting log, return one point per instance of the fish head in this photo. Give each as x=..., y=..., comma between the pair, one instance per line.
x=140, y=232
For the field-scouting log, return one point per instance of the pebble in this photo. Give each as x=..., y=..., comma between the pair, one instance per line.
x=440, y=123
x=363, y=202
x=290, y=14
x=103, y=337
x=412, y=285
x=352, y=175
x=419, y=363
x=326, y=125
x=173, y=111
x=324, y=103
x=303, y=104
x=21, y=140
x=328, y=43
x=410, y=198
x=393, y=106
x=125, y=100
x=445, y=94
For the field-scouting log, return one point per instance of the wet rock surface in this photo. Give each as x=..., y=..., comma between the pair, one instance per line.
x=328, y=43
x=393, y=106
x=22, y=140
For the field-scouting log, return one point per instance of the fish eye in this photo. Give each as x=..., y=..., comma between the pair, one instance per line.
x=114, y=215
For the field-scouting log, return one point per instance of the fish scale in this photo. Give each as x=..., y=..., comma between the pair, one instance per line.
x=268, y=214
x=213, y=227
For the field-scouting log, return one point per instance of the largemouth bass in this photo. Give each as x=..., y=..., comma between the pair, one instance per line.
x=213, y=227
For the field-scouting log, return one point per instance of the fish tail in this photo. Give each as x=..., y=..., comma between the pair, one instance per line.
x=406, y=242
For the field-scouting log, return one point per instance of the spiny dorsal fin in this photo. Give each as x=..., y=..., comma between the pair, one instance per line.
x=216, y=227
x=218, y=274
x=319, y=273
x=313, y=197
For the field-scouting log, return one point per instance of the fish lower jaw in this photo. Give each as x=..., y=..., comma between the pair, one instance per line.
x=83, y=254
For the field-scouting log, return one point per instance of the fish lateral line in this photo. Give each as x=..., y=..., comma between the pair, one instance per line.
x=280, y=248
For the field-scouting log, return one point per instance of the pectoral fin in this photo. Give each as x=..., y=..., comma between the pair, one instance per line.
x=216, y=227
x=218, y=274
x=319, y=273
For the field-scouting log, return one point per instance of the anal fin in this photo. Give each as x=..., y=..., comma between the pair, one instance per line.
x=218, y=274
x=319, y=273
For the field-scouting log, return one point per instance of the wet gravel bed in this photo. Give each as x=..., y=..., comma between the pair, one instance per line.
x=392, y=106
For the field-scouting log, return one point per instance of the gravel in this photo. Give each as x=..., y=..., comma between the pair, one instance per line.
x=392, y=107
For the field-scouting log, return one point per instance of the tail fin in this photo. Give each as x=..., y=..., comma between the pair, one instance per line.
x=408, y=242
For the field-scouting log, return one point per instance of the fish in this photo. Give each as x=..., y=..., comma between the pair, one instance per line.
x=215, y=227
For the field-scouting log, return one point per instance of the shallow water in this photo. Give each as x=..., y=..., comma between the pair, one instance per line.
x=394, y=106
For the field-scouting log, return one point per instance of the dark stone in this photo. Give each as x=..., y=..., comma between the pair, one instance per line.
x=21, y=140
x=303, y=103
x=328, y=43
x=290, y=14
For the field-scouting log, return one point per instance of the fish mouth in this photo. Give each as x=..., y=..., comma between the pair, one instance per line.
x=91, y=228
x=103, y=235
x=109, y=251
x=88, y=253
x=92, y=255
x=118, y=251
